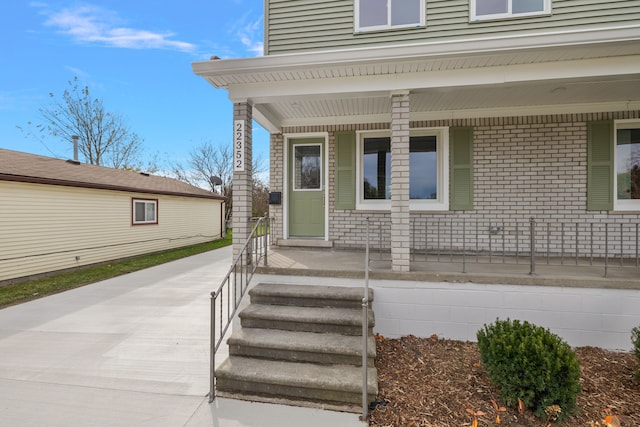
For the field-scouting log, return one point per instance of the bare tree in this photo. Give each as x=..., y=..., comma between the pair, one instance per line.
x=103, y=137
x=207, y=160
x=260, y=198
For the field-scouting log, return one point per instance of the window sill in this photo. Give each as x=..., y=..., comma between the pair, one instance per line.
x=509, y=18
x=388, y=29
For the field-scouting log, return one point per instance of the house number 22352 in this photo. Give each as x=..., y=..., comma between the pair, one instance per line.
x=238, y=145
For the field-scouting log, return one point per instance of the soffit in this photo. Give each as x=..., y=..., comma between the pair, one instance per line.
x=295, y=110
x=355, y=86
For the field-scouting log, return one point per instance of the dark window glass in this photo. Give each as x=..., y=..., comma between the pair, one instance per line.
x=423, y=167
x=377, y=168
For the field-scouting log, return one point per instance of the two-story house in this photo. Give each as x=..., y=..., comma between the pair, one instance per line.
x=480, y=114
x=404, y=111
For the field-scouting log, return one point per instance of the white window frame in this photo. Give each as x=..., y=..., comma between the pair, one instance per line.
x=146, y=202
x=442, y=144
x=474, y=17
x=388, y=26
x=622, y=205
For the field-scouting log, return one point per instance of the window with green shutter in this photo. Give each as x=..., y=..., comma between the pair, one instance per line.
x=456, y=173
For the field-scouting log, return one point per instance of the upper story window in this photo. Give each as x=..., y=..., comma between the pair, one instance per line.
x=145, y=211
x=497, y=9
x=371, y=15
x=627, y=165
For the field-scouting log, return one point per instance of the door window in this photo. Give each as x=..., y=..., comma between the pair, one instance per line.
x=307, y=167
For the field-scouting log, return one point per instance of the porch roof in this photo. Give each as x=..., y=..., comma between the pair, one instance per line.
x=595, y=70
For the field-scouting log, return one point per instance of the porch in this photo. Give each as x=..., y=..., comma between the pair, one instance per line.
x=446, y=267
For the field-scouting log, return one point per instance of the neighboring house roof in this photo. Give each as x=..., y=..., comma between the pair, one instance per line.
x=24, y=167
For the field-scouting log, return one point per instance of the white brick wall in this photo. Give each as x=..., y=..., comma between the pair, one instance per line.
x=242, y=182
x=524, y=167
x=400, y=224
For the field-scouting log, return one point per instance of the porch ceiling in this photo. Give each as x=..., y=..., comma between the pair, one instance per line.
x=459, y=101
x=536, y=74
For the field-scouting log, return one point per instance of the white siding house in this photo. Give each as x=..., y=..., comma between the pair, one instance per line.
x=57, y=215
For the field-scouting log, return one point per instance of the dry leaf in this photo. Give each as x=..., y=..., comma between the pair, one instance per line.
x=612, y=421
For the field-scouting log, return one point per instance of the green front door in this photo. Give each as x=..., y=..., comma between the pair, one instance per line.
x=306, y=187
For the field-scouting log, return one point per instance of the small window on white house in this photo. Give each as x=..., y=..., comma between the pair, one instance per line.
x=627, y=165
x=145, y=211
x=498, y=9
x=371, y=15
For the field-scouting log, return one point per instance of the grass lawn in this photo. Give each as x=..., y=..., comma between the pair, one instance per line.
x=26, y=291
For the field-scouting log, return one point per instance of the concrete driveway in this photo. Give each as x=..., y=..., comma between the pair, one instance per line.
x=129, y=351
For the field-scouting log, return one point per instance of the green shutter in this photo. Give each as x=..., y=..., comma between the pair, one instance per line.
x=345, y=170
x=600, y=166
x=461, y=168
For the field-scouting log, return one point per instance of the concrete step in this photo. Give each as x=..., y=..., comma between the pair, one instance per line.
x=300, y=346
x=346, y=321
x=290, y=380
x=309, y=296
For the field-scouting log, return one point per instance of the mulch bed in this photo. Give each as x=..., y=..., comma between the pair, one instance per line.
x=432, y=382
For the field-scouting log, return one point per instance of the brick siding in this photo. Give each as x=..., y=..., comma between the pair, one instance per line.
x=524, y=167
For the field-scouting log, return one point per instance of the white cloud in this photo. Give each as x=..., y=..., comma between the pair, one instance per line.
x=250, y=34
x=93, y=24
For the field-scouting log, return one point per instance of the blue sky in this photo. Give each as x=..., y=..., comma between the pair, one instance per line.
x=136, y=56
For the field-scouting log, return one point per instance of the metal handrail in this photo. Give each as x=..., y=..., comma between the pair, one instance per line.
x=365, y=331
x=533, y=242
x=243, y=268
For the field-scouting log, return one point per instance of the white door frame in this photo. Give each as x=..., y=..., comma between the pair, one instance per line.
x=285, y=207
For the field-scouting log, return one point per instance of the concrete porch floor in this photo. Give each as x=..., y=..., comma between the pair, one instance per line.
x=330, y=262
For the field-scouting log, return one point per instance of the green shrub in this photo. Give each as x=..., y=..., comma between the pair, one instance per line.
x=530, y=363
x=635, y=339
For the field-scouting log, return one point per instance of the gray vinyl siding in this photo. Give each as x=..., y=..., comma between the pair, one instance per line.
x=305, y=25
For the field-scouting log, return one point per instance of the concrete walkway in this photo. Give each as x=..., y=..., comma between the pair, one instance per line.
x=129, y=351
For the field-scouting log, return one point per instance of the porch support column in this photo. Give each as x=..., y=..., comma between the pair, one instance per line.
x=242, y=176
x=400, y=224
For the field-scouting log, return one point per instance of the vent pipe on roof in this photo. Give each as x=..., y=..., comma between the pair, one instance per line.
x=75, y=147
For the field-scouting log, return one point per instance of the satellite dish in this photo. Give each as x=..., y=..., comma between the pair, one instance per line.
x=215, y=180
